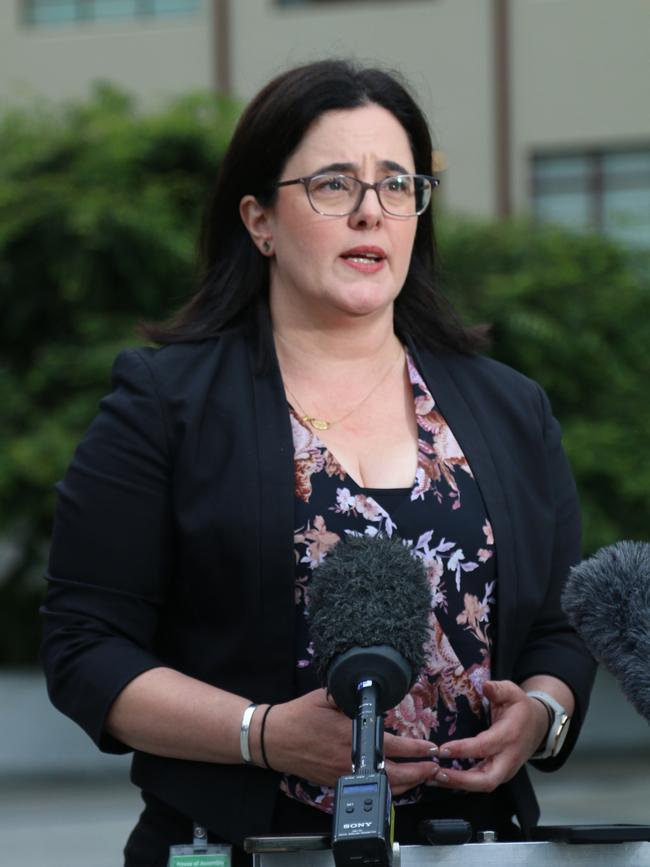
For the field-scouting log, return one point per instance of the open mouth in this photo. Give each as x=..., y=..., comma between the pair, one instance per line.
x=363, y=258
x=364, y=255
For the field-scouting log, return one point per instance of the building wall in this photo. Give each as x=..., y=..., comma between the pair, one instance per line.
x=580, y=69
x=579, y=74
x=442, y=47
x=580, y=78
x=152, y=57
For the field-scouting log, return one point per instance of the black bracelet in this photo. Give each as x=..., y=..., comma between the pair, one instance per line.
x=264, y=758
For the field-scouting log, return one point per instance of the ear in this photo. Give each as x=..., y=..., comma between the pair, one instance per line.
x=258, y=222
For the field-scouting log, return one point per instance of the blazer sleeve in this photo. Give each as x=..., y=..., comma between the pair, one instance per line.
x=552, y=646
x=111, y=554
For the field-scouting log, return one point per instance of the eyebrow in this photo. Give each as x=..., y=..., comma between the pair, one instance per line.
x=388, y=165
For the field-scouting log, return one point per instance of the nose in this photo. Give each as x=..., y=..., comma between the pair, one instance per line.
x=369, y=213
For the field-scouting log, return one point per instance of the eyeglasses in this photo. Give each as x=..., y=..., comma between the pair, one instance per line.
x=341, y=195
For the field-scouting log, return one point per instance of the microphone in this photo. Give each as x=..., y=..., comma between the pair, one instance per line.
x=369, y=603
x=370, y=592
x=607, y=601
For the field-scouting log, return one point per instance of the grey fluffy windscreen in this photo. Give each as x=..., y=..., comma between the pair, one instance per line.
x=607, y=601
x=369, y=590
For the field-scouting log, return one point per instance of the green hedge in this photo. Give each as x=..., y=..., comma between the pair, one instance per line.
x=99, y=212
x=573, y=312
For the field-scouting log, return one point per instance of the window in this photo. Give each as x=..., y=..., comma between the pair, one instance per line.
x=306, y=2
x=604, y=190
x=320, y=2
x=45, y=12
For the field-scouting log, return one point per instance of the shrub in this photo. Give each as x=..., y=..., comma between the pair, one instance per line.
x=99, y=211
x=573, y=312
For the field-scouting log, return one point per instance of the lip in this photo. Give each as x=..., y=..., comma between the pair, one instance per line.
x=369, y=266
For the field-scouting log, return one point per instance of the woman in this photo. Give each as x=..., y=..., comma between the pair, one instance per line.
x=316, y=385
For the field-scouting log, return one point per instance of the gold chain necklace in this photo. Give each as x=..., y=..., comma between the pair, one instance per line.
x=321, y=423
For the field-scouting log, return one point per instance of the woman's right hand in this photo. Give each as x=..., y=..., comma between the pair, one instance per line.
x=311, y=738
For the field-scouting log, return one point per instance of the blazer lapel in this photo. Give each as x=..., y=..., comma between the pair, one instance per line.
x=276, y=498
x=445, y=384
x=444, y=379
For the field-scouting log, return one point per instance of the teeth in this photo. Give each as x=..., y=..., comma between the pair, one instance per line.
x=363, y=259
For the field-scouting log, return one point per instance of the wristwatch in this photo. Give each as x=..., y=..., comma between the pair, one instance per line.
x=558, y=729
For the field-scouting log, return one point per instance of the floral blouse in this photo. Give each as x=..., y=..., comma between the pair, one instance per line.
x=441, y=517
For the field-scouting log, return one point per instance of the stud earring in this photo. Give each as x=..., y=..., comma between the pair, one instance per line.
x=266, y=246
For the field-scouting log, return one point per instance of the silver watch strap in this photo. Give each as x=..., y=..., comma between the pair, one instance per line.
x=558, y=725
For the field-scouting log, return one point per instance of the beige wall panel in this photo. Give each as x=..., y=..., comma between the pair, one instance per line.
x=580, y=68
x=153, y=58
x=443, y=48
x=580, y=76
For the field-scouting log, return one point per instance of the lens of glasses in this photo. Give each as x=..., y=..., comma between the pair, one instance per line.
x=333, y=195
x=339, y=195
x=405, y=195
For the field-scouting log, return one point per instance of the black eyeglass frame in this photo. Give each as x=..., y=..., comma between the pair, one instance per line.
x=364, y=186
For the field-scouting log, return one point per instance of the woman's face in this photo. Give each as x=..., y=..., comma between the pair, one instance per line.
x=342, y=266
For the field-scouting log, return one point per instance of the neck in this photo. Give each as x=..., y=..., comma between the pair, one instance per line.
x=310, y=345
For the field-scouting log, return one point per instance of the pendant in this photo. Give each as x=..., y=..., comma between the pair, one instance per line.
x=318, y=423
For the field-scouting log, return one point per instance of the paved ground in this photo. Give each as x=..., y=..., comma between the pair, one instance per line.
x=82, y=821
x=63, y=804
x=77, y=822
x=597, y=789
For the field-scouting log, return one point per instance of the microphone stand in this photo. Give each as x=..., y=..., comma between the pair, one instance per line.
x=363, y=812
x=367, y=731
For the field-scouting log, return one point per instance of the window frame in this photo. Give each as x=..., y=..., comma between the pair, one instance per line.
x=85, y=12
x=598, y=181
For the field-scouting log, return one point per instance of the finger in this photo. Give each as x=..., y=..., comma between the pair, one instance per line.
x=485, y=744
x=485, y=777
x=476, y=780
x=503, y=733
x=502, y=691
x=408, y=748
x=405, y=775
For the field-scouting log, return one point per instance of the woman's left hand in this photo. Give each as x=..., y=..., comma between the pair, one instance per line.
x=519, y=724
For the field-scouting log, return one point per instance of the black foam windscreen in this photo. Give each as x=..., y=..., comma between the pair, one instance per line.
x=369, y=590
x=607, y=601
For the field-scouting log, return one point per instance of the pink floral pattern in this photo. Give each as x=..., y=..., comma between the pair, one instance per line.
x=442, y=520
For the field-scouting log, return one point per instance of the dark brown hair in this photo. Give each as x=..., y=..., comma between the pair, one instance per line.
x=234, y=276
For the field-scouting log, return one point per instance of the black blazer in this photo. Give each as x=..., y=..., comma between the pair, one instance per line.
x=173, y=545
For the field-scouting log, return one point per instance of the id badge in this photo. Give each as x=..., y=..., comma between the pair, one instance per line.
x=200, y=853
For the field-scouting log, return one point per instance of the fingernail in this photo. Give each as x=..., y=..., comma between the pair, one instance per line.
x=441, y=777
x=431, y=783
x=433, y=750
x=445, y=753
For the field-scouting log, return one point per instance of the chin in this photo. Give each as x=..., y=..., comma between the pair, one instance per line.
x=366, y=301
x=358, y=311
